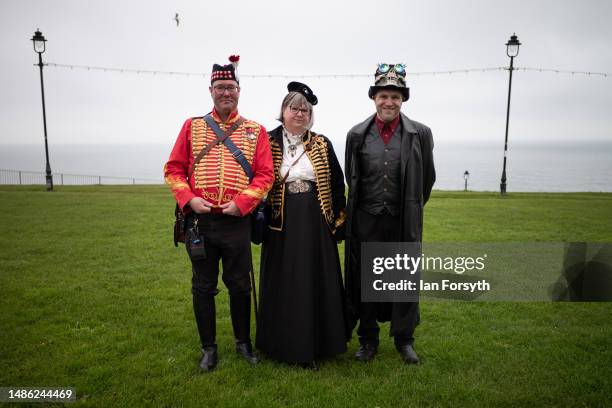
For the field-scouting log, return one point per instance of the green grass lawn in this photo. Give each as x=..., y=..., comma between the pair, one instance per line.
x=94, y=295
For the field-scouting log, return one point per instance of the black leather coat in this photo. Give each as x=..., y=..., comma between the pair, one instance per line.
x=416, y=181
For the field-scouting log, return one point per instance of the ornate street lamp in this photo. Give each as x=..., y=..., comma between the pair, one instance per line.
x=466, y=176
x=39, y=46
x=512, y=50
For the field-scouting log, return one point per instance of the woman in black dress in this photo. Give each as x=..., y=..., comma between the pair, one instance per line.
x=301, y=310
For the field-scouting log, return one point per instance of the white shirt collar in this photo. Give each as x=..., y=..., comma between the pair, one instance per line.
x=291, y=136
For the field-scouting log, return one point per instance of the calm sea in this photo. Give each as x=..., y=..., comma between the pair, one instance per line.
x=531, y=167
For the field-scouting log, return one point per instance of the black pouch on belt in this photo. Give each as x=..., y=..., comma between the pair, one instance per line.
x=195, y=244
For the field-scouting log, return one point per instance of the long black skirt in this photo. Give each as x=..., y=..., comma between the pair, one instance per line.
x=301, y=314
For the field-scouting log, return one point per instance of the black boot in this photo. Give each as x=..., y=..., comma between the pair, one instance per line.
x=209, y=358
x=240, y=309
x=246, y=351
x=366, y=352
x=407, y=353
x=204, y=309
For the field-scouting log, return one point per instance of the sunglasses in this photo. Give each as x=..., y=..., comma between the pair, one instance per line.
x=398, y=68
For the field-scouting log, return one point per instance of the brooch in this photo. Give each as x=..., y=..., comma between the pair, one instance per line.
x=249, y=134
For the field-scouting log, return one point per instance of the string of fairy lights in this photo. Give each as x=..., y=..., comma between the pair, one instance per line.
x=323, y=75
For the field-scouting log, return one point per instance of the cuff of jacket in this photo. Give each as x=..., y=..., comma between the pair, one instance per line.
x=183, y=198
x=248, y=199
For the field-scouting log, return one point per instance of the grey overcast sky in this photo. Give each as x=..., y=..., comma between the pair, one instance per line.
x=309, y=37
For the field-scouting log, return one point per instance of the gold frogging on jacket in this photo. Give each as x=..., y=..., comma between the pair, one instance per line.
x=318, y=155
x=219, y=168
x=175, y=183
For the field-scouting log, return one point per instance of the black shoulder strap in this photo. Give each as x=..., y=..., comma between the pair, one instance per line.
x=235, y=151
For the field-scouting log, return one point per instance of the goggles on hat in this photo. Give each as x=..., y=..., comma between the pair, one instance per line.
x=398, y=68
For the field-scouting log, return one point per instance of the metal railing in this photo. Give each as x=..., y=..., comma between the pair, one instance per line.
x=23, y=177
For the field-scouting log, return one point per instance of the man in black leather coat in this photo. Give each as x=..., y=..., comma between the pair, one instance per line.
x=390, y=173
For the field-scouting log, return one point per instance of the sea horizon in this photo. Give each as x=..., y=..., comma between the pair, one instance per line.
x=564, y=166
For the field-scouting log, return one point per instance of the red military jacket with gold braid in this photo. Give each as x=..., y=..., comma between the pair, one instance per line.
x=218, y=177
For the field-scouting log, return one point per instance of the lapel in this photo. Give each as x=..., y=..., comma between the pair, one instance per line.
x=362, y=128
x=306, y=139
x=277, y=135
x=356, y=142
x=409, y=134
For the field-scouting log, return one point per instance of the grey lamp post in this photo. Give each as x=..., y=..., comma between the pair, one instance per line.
x=466, y=176
x=39, y=46
x=512, y=50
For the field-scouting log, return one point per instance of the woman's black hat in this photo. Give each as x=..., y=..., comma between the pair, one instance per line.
x=304, y=90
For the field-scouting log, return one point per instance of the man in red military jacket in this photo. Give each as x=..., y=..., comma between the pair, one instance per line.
x=217, y=195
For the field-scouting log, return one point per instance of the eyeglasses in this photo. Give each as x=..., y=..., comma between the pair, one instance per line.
x=295, y=110
x=220, y=89
x=398, y=68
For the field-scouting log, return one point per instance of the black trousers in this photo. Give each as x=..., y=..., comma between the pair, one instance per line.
x=404, y=316
x=226, y=239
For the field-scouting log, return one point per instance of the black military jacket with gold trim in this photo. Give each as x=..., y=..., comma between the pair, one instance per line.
x=329, y=180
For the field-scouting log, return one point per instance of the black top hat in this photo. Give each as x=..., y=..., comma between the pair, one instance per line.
x=391, y=77
x=304, y=90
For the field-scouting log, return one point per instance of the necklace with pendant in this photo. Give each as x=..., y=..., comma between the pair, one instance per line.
x=292, y=147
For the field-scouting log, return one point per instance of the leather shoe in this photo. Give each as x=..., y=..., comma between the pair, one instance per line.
x=407, y=353
x=209, y=359
x=366, y=352
x=246, y=351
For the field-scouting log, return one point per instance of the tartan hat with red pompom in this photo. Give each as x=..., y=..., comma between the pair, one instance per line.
x=226, y=71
